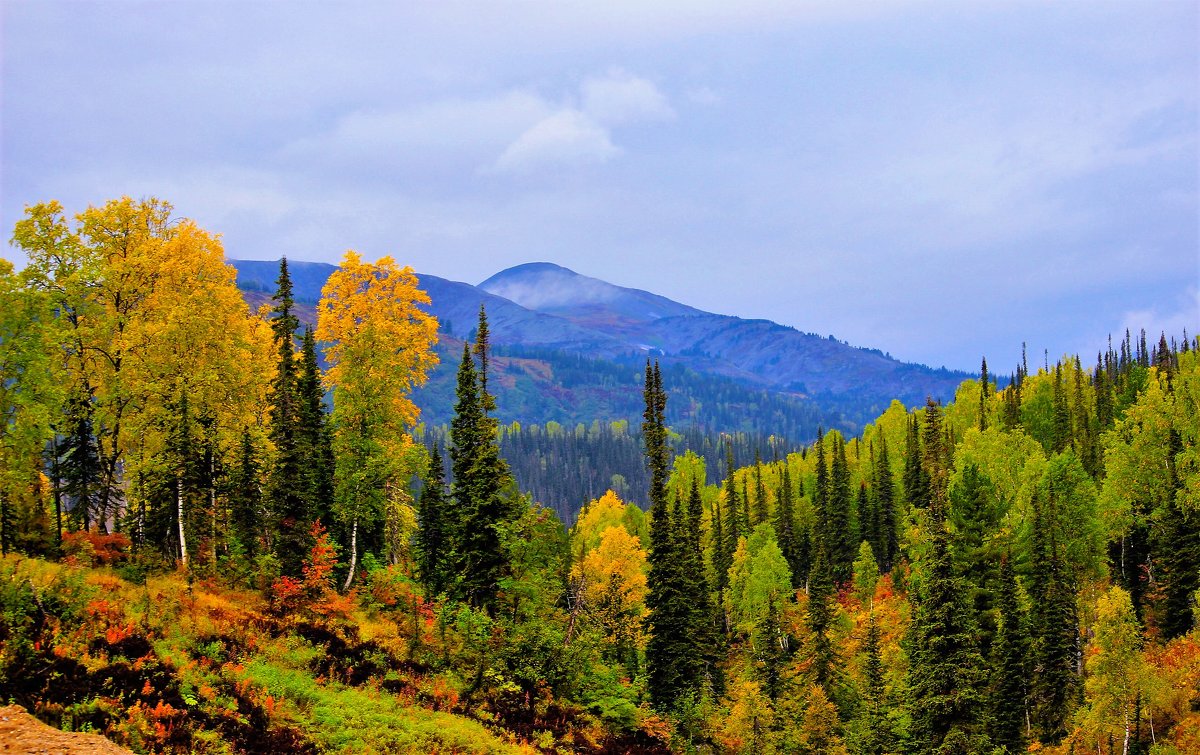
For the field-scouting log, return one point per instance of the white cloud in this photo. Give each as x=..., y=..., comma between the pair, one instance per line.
x=619, y=97
x=1183, y=313
x=567, y=137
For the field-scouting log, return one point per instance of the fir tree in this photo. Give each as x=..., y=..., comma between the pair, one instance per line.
x=760, y=493
x=841, y=531
x=916, y=485
x=1060, y=438
x=820, y=620
x=286, y=479
x=433, y=557
x=668, y=649
x=1010, y=667
x=984, y=388
x=785, y=526
x=479, y=489
x=81, y=473
x=874, y=733
x=1178, y=551
x=1054, y=632
x=946, y=671
x=885, y=501
x=314, y=444
x=245, y=498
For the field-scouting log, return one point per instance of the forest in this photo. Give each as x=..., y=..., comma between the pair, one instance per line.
x=223, y=533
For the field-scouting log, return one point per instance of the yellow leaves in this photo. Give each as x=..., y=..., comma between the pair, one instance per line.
x=379, y=343
x=619, y=557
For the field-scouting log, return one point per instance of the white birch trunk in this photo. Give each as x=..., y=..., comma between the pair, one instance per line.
x=353, y=554
x=179, y=515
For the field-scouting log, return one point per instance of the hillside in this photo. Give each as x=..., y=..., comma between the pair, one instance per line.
x=546, y=318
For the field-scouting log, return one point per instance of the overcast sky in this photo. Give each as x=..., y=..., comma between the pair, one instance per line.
x=937, y=180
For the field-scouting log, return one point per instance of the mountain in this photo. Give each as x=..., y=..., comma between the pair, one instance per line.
x=570, y=348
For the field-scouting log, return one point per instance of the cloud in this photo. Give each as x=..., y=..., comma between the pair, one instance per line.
x=620, y=97
x=1173, y=319
x=567, y=137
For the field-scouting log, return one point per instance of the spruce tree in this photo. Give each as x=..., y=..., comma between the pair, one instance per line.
x=889, y=520
x=669, y=615
x=841, y=534
x=785, y=526
x=760, y=493
x=875, y=738
x=946, y=676
x=482, y=501
x=984, y=388
x=433, y=557
x=314, y=442
x=1178, y=550
x=1060, y=438
x=285, y=492
x=245, y=498
x=81, y=473
x=820, y=615
x=1009, y=692
x=916, y=485
x=1054, y=631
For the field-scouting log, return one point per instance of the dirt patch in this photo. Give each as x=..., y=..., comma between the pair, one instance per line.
x=22, y=733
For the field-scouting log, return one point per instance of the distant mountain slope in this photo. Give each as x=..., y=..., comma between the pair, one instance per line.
x=547, y=318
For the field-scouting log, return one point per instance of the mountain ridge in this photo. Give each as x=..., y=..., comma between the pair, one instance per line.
x=554, y=310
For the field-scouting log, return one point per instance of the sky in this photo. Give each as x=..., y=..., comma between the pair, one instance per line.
x=943, y=181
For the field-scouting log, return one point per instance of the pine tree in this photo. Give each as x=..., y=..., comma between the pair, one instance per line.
x=433, y=557
x=875, y=739
x=701, y=630
x=916, y=485
x=841, y=532
x=946, y=671
x=481, y=478
x=1178, y=550
x=1054, y=632
x=245, y=498
x=1010, y=667
x=785, y=526
x=760, y=493
x=885, y=497
x=820, y=620
x=285, y=492
x=314, y=444
x=81, y=473
x=984, y=388
x=667, y=652
x=1060, y=438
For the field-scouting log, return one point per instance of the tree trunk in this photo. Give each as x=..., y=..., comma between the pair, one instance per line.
x=353, y=554
x=179, y=514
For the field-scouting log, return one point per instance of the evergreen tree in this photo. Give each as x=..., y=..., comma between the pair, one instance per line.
x=314, y=443
x=1060, y=438
x=772, y=649
x=935, y=461
x=916, y=485
x=888, y=547
x=730, y=530
x=286, y=486
x=245, y=498
x=873, y=717
x=81, y=473
x=946, y=671
x=1054, y=631
x=820, y=620
x=1178, y=550
x=1010, y=667
x=841, y=532
x=433, y=557
x=760, y=493
x=984, y=388
x=482, y=500
x=701, y=630
x=785, y=526
x=669, y=658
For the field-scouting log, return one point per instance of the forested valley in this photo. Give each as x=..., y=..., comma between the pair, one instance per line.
x=225, y=533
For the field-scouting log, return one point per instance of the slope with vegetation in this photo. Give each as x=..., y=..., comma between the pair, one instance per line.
x=199, y=557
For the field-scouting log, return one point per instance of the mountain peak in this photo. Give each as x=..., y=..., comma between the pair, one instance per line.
x=553, y=289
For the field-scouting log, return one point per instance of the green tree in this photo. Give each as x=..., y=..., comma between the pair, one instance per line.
x=1009, y=692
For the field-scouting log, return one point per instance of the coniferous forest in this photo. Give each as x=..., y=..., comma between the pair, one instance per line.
x=223, y=532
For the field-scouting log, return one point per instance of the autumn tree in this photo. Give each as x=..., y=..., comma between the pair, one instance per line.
x=379, y=347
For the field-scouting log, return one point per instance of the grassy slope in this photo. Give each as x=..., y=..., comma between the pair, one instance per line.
x=173, y=667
